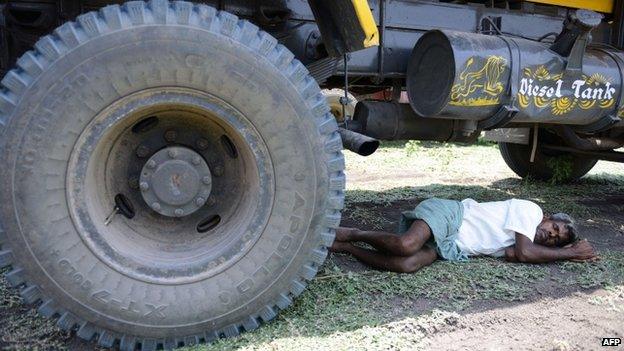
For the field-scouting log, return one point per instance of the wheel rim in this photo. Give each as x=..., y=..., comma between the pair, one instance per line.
x=130, y=153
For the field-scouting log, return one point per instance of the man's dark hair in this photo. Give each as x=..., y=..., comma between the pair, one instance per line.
x=570, y=225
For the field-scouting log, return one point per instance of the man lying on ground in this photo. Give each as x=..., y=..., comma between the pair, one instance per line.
x=454, y=230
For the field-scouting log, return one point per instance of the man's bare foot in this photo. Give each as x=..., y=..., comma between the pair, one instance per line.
x=340, y=246
x=345, y=234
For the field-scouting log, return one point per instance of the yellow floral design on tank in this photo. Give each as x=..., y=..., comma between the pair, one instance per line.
x=542, y=89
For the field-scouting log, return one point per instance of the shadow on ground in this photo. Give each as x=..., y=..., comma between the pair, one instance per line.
x=347, y=297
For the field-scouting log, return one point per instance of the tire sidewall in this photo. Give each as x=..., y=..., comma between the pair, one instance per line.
x=46, y=122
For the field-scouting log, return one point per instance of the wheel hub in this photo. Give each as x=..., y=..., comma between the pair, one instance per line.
x=175, y=181
x=193, y=217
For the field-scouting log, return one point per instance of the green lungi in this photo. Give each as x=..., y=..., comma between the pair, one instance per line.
x=444, y=217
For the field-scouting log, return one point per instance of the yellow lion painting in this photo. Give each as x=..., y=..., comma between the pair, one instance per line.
x=486, y=80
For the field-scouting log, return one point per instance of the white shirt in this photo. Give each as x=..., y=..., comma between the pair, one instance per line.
x=489, y=227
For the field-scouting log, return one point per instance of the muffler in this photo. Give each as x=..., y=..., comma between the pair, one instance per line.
x=497, y=79
x=396, y=121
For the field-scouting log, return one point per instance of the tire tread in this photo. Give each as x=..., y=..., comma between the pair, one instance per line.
x=136, y=13
x=6, y=258
x=15, y=277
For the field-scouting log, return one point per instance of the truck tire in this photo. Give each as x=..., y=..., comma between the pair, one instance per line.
x=170, y=175
x=517, y=157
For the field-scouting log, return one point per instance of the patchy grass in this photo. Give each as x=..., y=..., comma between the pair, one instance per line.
x=8, y=298
x=367, y=217
x=21, y=327
x=562, y=168
x=413, y=163
x=403, y=334
x=609, y=271
x=347, y=310
x=418, y=170
x=353, y=309
x=28, y=331
x=546, y=195
x=346, y=302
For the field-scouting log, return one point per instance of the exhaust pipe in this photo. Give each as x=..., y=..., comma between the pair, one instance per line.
x=394, y=121
x=358, y=143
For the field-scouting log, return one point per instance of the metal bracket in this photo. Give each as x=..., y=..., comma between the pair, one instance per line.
x=344, y=100
x=575, y=59
x=504, y=114
x=382, y=43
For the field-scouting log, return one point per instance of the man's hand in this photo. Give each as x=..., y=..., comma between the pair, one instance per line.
x=583, y=251
x=528, y=252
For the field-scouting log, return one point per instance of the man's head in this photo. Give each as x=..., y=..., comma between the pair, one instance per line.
x=556, y=230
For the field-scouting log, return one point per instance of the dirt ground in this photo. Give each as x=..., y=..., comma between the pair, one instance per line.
x=554, y=317
x=485, y=304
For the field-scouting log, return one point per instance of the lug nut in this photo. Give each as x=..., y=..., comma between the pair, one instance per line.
x=218, y=171
x=171, y=135
x=156, y=206
x=144, y=186
x=172, y=153
x=179, y=212
x=200, y=201
x=196, y=160
x=206, y=180
x=142, y=151
x=202, y=144
x=151, y=164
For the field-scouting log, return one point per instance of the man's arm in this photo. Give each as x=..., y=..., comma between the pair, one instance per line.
x=510, y=254
x=528, y=252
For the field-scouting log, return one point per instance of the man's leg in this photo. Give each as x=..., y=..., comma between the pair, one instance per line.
x=401, y=264
x=406, y=244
